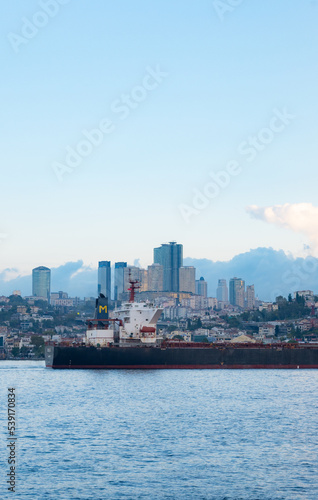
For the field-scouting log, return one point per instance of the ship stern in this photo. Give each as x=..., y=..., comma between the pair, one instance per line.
x=49, y=355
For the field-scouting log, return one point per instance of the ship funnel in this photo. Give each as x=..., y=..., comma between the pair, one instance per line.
x=101, y=307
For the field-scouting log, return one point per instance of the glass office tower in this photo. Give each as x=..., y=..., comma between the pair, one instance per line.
x=170, y=256
x=104, y=278
x=41, y=282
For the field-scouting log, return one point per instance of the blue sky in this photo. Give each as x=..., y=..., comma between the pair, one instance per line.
x=223, y=80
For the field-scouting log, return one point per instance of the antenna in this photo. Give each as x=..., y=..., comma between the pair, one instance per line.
x=133, y=287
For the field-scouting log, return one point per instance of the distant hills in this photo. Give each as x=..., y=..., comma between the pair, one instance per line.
x=272, y=273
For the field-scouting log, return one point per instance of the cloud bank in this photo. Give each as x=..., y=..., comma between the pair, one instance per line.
x=272, y=272
x=299, y=217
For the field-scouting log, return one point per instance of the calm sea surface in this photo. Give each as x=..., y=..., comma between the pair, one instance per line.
x=165, y=434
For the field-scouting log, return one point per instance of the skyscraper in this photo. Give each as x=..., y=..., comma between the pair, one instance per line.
x=222, y=293
x=187, y=279
x=41, y=282
x=170, y=256
x=143, y=280
x=237, y=292
x=250, y=296
x=119, y=279
x=155, y=278
x=104, y=278
x=201, y=287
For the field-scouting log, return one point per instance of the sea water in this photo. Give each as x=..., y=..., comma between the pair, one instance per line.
x=160, y=434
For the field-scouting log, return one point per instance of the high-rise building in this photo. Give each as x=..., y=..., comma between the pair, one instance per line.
x=119, y=279
x=250, y=296
x=187, y=279
x=201, y=287
x=155, y=278
x=170, y=256
x=222, y=293
x=237, y=292
x=104, y=278
x=41, y=282
x=143, y=280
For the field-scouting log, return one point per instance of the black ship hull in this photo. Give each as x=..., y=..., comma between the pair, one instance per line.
x=209, y=357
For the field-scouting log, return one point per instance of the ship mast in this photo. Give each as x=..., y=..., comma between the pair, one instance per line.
x=133, y=287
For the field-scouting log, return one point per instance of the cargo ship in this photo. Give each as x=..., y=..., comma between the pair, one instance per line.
x=129, y=340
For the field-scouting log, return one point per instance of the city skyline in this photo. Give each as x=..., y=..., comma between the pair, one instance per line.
x=273, y=273
x=41, y=284
x=166, y=274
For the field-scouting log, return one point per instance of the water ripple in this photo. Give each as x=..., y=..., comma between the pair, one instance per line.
x=175, y=434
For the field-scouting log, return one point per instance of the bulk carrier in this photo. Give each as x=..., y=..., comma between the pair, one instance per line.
x=129, y=340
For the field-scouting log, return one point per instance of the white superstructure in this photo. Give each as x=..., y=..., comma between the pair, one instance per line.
x=139, y=320
x=133, y=322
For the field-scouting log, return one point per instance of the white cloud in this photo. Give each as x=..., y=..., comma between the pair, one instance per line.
x=299, y=217
x=10, y=274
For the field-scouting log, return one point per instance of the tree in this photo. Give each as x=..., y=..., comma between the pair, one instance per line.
x=37, y=340
x=24, y=351
x=171, y=328
x=15, y=300
x=298, y=333
x=300, y=300
x=50, y=332
x=205, y=339
x=291, y=334
x=15, y=352
x=233, y=322
x=38, y=343
x=42, y=304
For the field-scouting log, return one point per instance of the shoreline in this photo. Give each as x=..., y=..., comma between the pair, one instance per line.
x=25, y=359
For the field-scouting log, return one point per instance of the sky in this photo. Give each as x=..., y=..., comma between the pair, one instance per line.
x=130, y=124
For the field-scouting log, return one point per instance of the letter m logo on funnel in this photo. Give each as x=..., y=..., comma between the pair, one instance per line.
x=102, y=308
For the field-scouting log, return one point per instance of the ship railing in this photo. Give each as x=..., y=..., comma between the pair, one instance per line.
x=102, y=324
x=233, y=345
x=65, y=343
